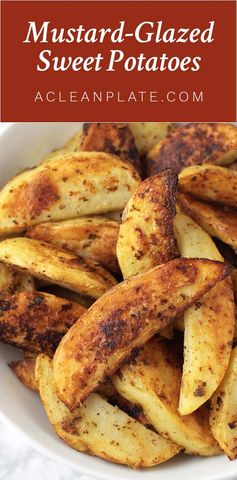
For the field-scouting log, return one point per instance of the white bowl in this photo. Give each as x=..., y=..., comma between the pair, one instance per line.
x=23, y=145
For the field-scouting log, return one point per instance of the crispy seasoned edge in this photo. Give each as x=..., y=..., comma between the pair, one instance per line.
x=34, y=197
x=36, y=321
x=95, y=239
x=210, y=183
x=42, y=255
x=192, y=144
x=158, y=192
x=39, y=191
x=111, y=339
x=114, y=138
x=216, y=220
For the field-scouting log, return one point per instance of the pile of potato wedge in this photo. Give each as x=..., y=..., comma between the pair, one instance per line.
x=118, y=283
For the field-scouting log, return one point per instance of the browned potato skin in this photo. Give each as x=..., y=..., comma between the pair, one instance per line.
x=194, y=144
x=89, y=237
x=36, y=321
x=146, y=237
x=79, y=184
x=115, y=138
x=25, y=371
x=217, y=221
x=210, y=183
x=46, y=262
x=124, y=319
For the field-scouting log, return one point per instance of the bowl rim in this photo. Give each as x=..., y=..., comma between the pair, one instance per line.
x=81, y=469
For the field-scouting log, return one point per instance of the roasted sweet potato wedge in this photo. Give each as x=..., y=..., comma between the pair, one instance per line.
x=223, y=417
x=153, y=382
x=89, y=237
x=46, y=262
x=194, y=144
x=216, y=221
x=36, y=321
x=124, y=319
x=114, y=138
x=208, y=325
x=77, y=185
x=146, y=237
x=25, y=371
x=148, y=134
x=211, y=184
x=101, y=429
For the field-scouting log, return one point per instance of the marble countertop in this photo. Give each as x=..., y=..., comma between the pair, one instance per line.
x=18, y=460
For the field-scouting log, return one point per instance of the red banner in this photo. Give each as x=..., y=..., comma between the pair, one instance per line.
x=118, y=61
